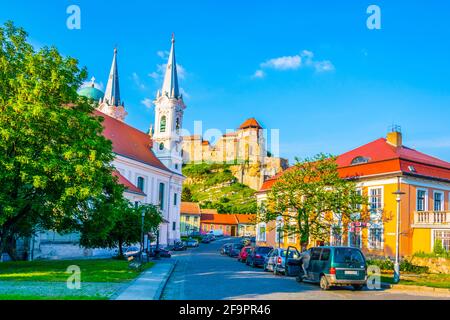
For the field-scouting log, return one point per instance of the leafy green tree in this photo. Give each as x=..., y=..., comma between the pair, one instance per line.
x=186, y=194
x=307, y=195
x=120, y=226
x=55, y=165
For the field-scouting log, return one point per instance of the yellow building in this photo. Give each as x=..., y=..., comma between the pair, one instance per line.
x=190, y=215
x=381, y=168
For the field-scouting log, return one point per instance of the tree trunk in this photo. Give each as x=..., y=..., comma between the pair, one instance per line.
x=120, y=242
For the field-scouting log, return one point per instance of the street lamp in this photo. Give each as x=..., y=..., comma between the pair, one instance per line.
x=142, y=233
x=398, y=198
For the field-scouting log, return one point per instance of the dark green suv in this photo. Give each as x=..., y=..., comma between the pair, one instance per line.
x=336, y=266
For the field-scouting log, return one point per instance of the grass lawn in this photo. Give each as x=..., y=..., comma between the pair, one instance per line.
x=95, y=270
x=426, y=279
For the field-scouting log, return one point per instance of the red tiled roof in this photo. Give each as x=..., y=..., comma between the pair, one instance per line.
x=190, y=208
x=384, y=158
x=130, y=142
x=218, y=218
x=127, y=183
x=246, y=218
x=250, y=123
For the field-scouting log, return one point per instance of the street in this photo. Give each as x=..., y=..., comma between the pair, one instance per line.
x=203, y=274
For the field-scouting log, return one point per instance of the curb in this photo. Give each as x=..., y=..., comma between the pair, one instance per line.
x=385, y=285
x=163, y=283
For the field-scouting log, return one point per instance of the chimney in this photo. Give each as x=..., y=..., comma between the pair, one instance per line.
x=394, y=137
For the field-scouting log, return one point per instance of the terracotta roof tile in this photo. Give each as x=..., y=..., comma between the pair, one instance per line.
x=130, y=142
x=190, y=208
x=250, y=123
x=218, y=218
x=383, y=158
x=246, y=218
x=127, y=183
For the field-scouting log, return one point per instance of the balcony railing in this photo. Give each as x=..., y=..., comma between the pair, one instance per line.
x=436, y=218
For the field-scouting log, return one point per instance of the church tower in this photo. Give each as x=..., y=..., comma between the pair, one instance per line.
x=169, y=108
x=111, y=104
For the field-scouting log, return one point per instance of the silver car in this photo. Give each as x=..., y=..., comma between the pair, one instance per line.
x=276, y=260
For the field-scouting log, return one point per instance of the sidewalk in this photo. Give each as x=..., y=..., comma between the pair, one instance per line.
x=149, y=285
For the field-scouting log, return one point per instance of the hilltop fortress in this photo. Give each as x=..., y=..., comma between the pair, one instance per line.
x=244, y=148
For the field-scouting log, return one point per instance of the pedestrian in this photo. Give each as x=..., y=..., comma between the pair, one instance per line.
x=305, y=262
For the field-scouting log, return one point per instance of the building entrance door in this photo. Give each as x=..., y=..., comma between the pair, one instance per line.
x=233, y=231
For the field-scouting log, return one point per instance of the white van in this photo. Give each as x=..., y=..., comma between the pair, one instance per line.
x=216, y=233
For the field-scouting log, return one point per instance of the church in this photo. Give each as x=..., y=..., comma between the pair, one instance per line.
x=147, y=164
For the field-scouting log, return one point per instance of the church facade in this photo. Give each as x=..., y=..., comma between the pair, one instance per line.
x=147, y=164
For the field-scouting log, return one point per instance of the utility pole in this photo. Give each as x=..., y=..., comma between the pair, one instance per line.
x=398, y=198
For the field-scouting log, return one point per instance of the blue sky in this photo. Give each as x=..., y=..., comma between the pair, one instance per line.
x=357, y=83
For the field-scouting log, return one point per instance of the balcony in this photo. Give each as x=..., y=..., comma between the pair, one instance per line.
x=432, y=219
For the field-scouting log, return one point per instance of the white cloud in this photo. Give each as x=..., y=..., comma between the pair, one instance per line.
x=184, y=93
x=283, y=63
x=259, y=74
x=137, y=81
x=147, y=102
x=302, y=60
x=161, y=68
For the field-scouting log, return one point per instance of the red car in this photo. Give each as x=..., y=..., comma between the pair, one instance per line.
x=244, y=253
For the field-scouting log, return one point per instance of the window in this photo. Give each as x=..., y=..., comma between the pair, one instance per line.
x=262, y=232
x=175, y=199
x=359, y=193
x=174, y=226
x=354, y=239
x=375, y=200
x=359, y=160
x=140, y=183
x=444, y=237
x=162, y=126
x=336, y=236
x=325, y=256
x=376, y=203
x=438, y=201
x=176, y=166
x=315, y=254
x=161, y=195
x=188, y=218
x=279, y=231
x=161, y=146
x=211, y=227
x=421, y=200
x=177, y=125
x=376, y=237
x=292, y=237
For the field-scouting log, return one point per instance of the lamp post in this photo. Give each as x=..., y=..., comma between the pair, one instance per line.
x=398, y=198
x=142, y=233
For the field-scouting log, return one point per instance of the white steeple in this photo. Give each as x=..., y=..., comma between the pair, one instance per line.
x=169, y=109
x=170, y=85
x=111, y=103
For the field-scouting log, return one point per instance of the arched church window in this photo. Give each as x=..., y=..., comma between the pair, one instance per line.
x=162, y=126
x=177, y=125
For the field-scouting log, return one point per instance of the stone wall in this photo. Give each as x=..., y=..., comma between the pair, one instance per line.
x=435, y=265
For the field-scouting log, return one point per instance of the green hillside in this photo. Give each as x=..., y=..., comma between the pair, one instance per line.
x=215, y=187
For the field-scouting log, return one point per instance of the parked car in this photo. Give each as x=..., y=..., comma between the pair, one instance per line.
x=131, y=251
x=179, y=246
x=244, y=253
x=276, y=260
x=211, y=236
x=216, y=232
x=191, y=242
x=163, y=252
x=246, y=241
x=256, y=257
x=195, y=234
x=206, y=239
x=225, y=248
x=336, y=266
x=235, y=250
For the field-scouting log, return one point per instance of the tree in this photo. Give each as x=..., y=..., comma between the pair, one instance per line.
x=186, y=194
x=55, y=165
x=122, y=226
x=310, y=197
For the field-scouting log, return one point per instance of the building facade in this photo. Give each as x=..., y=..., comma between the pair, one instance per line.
x=148, y=166
x=381, y=168
x=190, y=215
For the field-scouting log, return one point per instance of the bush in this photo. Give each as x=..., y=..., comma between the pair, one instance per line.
x=421, y=254
x=438, y=247
x=405, y=265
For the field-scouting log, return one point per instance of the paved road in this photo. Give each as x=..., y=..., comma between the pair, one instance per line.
x=202, y=273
